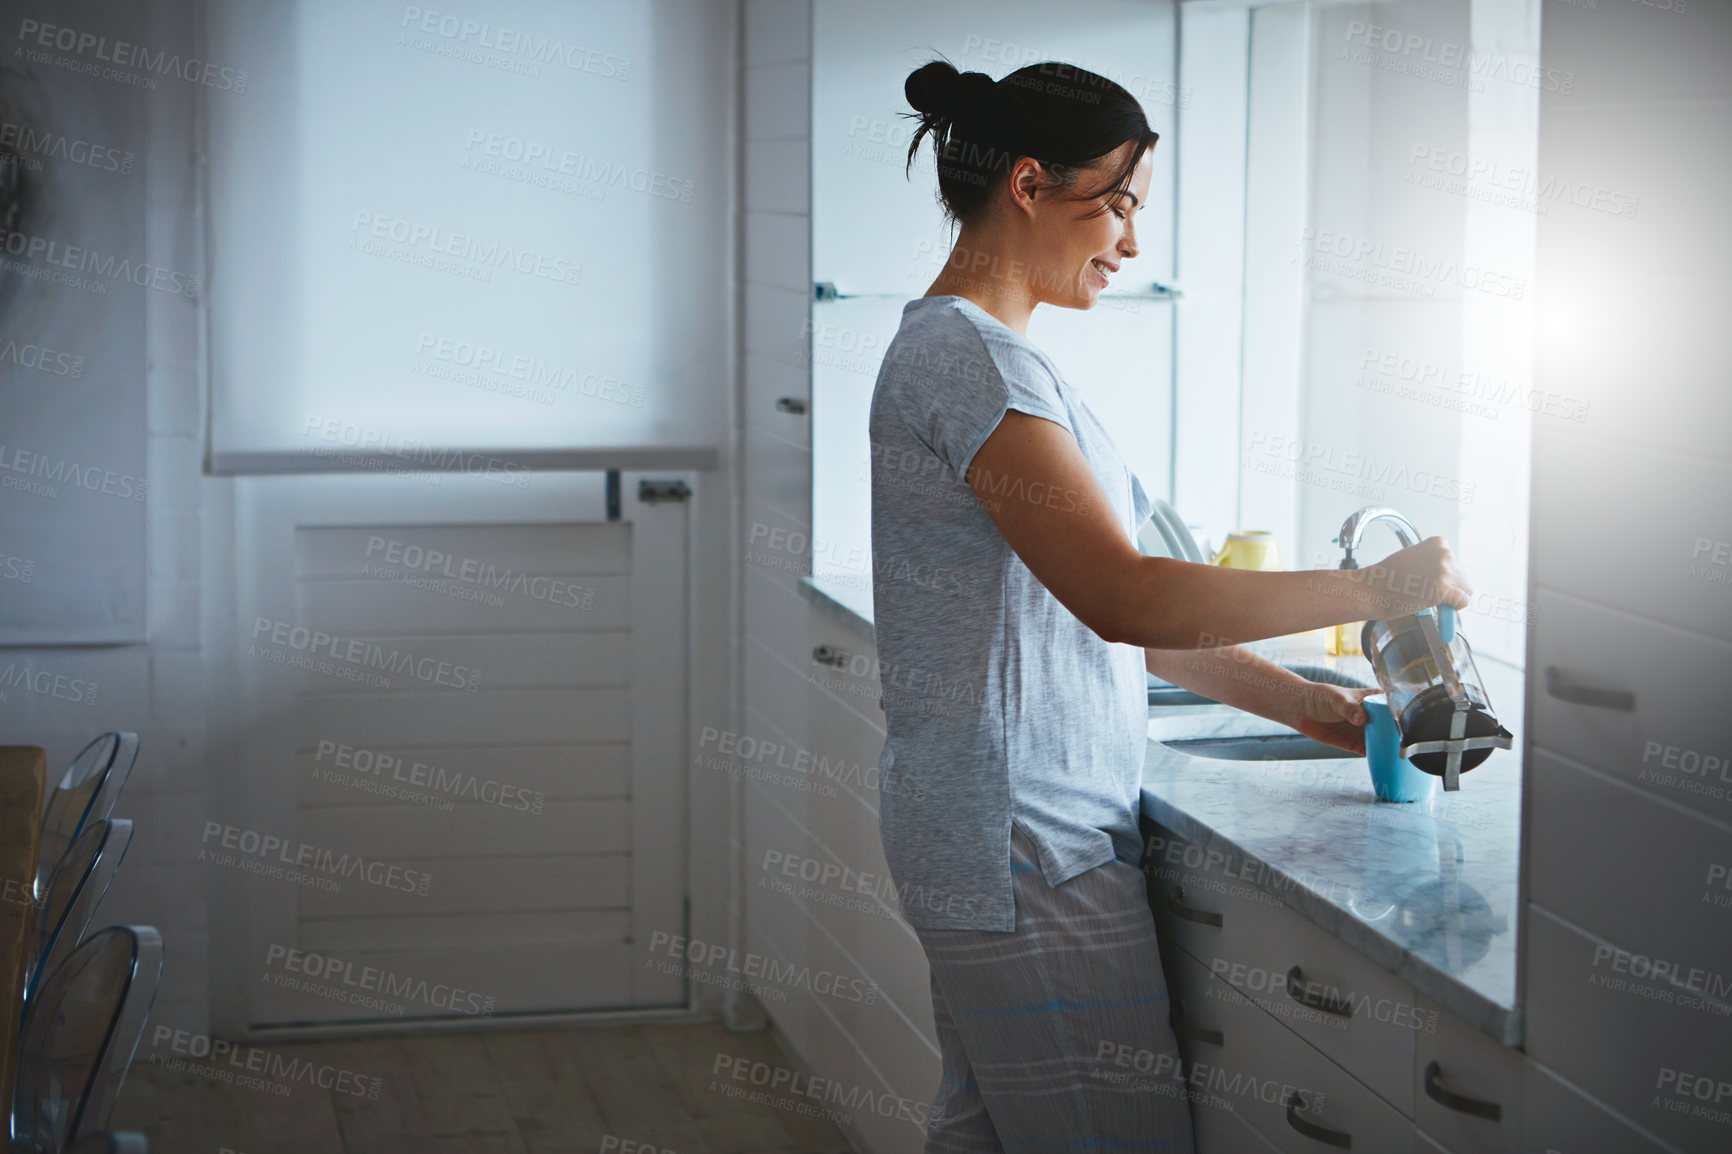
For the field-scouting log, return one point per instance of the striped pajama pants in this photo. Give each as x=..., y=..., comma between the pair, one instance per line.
x=1043, y=1029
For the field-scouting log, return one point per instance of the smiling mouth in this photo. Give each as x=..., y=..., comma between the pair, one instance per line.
x=1101, y=270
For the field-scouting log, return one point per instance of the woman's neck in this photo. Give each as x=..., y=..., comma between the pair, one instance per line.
x=984, y=270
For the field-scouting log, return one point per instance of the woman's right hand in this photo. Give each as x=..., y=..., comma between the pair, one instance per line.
x=1412, y=579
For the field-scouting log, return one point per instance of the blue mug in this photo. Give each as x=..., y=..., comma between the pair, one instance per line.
x=1393, y=777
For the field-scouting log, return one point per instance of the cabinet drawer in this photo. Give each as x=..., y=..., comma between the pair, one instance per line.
x=1350, y=1008
x=1628, y=867
x=1461, y=1079
x=1190, y=892
x=1670, y=557
x=1217, y=1115
x=1674, y=739
x=1652, y=1049
x=1218, y=1132
x=1558, y=1119
x=1241, y=1061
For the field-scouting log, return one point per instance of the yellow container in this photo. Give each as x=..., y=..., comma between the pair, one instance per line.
x=1256, y=549
x=1250, y=549
x=1344, y=639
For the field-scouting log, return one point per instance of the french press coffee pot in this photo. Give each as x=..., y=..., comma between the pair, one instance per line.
x=1427, y=673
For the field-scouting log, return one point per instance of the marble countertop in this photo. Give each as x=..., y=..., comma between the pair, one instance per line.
x=1428, y=890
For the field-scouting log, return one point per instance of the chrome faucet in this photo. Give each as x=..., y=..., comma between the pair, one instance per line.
x=1354, y=528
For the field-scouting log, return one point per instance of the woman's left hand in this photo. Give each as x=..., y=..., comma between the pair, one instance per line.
x=1332, y=714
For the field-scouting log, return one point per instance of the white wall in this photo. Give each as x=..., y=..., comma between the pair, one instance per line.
x=72, y=343
x=880, y=232
x=1211, y=320
x=1389, y=286
x=154, y=687
x=885, y=1048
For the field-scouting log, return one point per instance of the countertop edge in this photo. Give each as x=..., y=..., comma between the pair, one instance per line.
x=1502, y=1024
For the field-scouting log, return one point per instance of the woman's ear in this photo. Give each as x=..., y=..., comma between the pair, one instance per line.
x=1026, y=179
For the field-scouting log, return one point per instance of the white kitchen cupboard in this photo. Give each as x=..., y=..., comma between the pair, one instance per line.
x=1560, y=1119
x=1247, y=1023
x=1469, y=1090
x=1309, y=1043
x=1626, y=982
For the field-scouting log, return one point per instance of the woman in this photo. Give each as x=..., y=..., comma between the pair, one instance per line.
x=1015, y=619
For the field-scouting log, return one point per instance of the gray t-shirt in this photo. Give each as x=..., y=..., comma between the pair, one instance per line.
x=1000, y=706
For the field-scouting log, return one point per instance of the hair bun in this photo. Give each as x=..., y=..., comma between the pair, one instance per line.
x=938, y=89
x=932, y=88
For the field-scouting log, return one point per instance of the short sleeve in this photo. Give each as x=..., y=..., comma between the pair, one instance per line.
x=1142, y=505
x=957, y=385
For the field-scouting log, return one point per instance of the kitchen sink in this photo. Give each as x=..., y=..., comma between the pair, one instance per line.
x=1222, y=733
x=1259, y=747
x=1166, y=695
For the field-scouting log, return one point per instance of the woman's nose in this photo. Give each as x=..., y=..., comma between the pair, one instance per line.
x=1128, y=242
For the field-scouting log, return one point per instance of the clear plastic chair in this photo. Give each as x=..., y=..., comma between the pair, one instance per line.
x=87, y=790
x=75, y=888
x=118, y=1142
x=75, y=1048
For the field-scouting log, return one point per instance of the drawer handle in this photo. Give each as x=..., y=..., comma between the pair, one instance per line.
x=1323, y=1002
x=790, y=405
x=1460, y=1103
x=1176, y=903
x=1185, y=1028
x=1313, y=1131
x=1563, y=687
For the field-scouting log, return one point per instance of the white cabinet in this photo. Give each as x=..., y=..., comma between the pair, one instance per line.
x=1559, y=1119
x=1349, y=1008
x=1242, y=1061
x=1308, y=1042
x=1222, y=1133
x=1468, y=1089
x=1648, y=530
x=1626, y=970
x=1629, y=866
x=1625, y=1052
x=1638, y=700
x=1648, y=1036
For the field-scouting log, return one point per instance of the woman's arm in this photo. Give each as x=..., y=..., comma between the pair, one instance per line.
x=1238, y=677
x=1038, y=488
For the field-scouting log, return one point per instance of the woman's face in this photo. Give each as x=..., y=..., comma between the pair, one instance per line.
x=1077, y=254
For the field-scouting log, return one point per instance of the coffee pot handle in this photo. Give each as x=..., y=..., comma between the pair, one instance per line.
x=1439, y=640
x=1445, y=617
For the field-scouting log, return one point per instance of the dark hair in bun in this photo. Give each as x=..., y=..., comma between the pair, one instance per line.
x=1061, y=115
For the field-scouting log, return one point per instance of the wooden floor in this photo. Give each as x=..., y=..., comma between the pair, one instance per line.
x=529, y=1092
